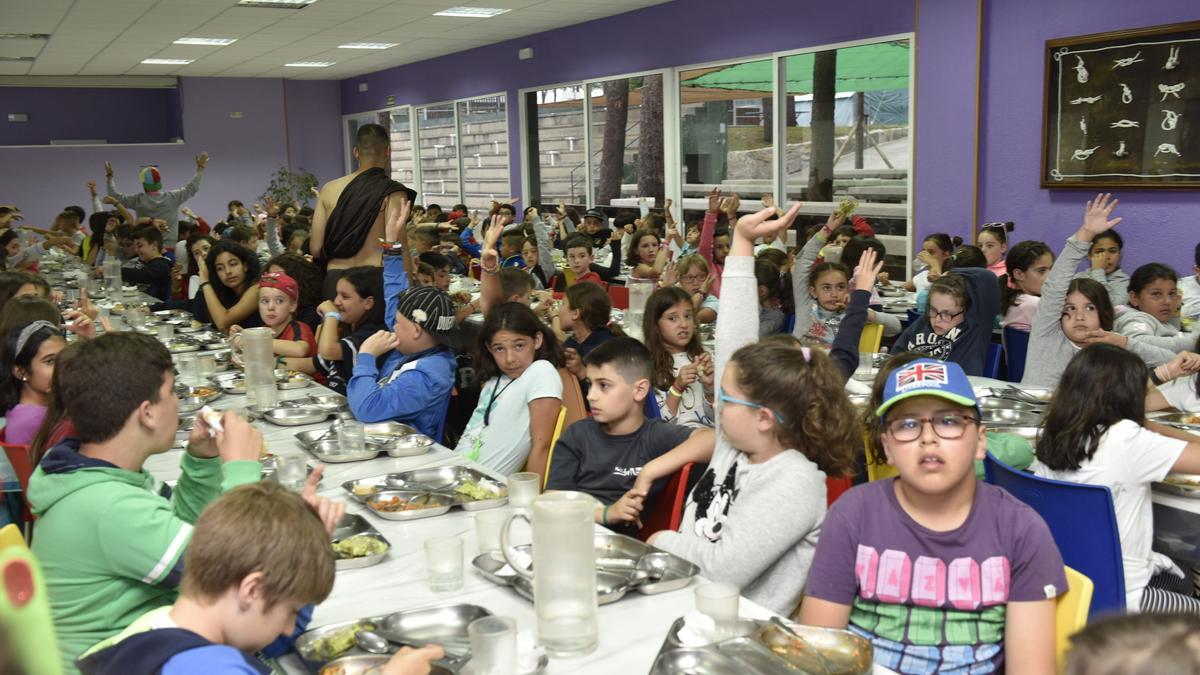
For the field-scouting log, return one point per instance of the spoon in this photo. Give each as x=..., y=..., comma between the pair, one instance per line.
x=374, y=643
x=787, y=630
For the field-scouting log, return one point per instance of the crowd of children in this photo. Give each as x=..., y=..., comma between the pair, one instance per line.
x=939, y=570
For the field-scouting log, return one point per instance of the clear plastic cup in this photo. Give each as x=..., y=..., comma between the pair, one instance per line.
x=488, y=524
x=291, y=470
x=352, y=438
x=720, y=602
x=493, y=645
x=444, y=563
x=523, y=488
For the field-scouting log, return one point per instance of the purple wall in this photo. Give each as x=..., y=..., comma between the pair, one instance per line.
x=69, y=113
x=944, y=147
x=244, y=152
x=1010, y=131
x=672, y=34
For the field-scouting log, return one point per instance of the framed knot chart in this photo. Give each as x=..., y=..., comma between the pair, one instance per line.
x=1122, y=109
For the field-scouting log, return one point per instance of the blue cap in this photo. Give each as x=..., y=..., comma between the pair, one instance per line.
x=928, y=377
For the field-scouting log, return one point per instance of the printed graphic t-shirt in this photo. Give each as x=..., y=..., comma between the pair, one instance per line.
x=933, y=601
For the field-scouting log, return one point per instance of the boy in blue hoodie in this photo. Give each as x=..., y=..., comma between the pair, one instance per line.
x=243, y=586
x=413, y=385
x=109, y=536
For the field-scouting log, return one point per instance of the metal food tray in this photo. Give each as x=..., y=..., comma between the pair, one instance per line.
x=1179, y=419
x=434, y=504
x=445, y=625
x=1191, y=490
x=442, y=479
x=1010, y=418
x=819, y=651
x=353, y=525
x=296, y=416
x=616, y=560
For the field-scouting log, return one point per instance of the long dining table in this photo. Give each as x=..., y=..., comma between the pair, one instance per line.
x=631, y=630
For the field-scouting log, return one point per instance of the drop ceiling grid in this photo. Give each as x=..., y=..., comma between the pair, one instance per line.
x=111, y=37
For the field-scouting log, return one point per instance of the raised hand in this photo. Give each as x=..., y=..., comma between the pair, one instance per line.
x=768, y=200
x=92, y=187
x=834, y=221
x=756, y=225
x=107, y=199
x=393, y=229
x=271, y=207
x=201, y=160
x=714, y=200
x=730, y=205
x=108, y=172
x=868, y=270
x=669, y=276
x=1096, y=216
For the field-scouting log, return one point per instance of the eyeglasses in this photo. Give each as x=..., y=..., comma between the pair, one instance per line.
x=944, y=316
x=695, y=277
x=749, y=404
x=949, y=427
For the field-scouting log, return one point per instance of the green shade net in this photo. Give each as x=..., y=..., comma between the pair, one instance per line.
x=875, y=67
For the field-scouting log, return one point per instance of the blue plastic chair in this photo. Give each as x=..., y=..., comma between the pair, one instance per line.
x=789, y=323
x=913, y=315
x=991, y=366
x=651, y=408
x=1084, y=526
x=1016, y=345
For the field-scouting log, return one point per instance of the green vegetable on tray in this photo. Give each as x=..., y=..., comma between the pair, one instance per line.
x=475, y=491
x=359, y=546
x=338, y=642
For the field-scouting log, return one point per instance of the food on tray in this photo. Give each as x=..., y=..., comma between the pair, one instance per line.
x=1184, y=479
x=203, y=391
x=1193, y=419
x=359, y=546
x=475, y=491
x=362, y=490
x=396, y=504
x=338, y=642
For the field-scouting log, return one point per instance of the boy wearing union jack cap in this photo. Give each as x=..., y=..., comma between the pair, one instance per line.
x=939, y=571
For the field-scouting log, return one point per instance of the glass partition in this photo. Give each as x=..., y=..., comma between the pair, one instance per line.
x=483, y=130
x=438, y=156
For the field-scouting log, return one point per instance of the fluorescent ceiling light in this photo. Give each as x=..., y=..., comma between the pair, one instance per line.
x=310, y=64
x=471, y=12
x=167, y=62
x=24, y=36
x=368, y=45
x=14, y=59
x=276, y=4
x=211, y=42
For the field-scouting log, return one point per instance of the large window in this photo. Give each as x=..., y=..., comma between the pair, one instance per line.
x=402, y=147
x=597, y=143
x=483, y=130
x=726, y=131
x=627, y=140
x=438, y=156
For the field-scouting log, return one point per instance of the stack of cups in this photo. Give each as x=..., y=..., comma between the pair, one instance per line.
x=112, y=273
x=639, y=293
x=259, y=357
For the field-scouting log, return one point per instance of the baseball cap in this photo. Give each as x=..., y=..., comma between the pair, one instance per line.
x=593, y=213
x=928, y=377
x=282, y=282
x=431, y=309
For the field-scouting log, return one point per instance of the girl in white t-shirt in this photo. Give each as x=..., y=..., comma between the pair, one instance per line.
x=935, y=251
x=513, y=424
x=1027, y=263
x=1095, y=432
x=683, y=371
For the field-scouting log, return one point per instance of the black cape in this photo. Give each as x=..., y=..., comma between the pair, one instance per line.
x=355, y=212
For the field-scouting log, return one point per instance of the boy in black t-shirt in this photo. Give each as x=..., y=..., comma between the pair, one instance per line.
x=602, y=455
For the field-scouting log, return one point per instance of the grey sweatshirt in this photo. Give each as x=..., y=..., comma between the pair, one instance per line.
x=1158, y=342
x=805, y=303
x=1117, y=284
x=1049, y=349
x=752, y=525
x=163, y=205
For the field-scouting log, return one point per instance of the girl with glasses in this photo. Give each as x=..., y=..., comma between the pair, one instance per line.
x=957, y=326
x=784, y=426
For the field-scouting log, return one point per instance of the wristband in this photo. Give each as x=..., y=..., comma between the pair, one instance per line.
x=333, y=315
x=1154, y=377
x=604, y=515
x=675, y=392
x=203, y=284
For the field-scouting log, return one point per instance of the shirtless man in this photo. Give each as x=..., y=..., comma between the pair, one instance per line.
x=357, y=226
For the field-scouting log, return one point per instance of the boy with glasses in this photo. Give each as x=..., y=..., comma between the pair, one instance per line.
x=938, y=570
x=963, y=305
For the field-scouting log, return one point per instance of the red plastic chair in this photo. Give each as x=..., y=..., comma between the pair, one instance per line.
x=18, y=457
x=619, y=296
x=667, y=511
x=834, y=487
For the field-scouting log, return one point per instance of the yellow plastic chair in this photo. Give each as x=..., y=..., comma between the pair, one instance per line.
x=1071, y=612
x=558, y=429
x=877, y=471
x=10, y=535
x=871, y=338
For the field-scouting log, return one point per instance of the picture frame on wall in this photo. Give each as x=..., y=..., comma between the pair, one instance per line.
x=1122, y=109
